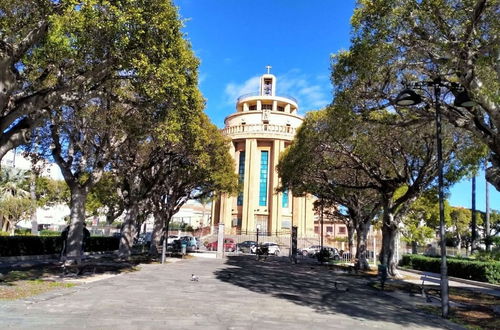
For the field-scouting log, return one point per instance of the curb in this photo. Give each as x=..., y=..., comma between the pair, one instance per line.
x=457, y=279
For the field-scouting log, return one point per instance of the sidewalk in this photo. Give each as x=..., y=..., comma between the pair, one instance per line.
x=491, y=289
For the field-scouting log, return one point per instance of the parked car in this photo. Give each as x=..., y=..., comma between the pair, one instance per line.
x=190, y=241
x=272, y=248
x=229, y=245
x=144, y=238
x=310, y=251
x=334, y=253
x=172, y=238
x=246, y=246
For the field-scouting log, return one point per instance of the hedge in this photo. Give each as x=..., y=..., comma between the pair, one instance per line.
x=39, y=245
x=462, y=268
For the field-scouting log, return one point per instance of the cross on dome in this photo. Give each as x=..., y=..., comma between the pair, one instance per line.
x=268, y=67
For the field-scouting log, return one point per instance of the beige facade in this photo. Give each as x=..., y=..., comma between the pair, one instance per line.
x=263, y=125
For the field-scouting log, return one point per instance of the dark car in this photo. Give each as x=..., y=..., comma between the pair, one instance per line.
x=246, y=246
x=145, y=238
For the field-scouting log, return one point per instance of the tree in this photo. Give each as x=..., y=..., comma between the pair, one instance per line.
x=397, y=162
x=304, y=168
x=125, y=68
x=106, y=197
x=197, y=165
x=15, y=201
x=422, y=219
x=49, y=191
x=410, y=40
x=460, y=220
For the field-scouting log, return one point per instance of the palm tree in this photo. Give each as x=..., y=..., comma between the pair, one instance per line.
x=15, y=199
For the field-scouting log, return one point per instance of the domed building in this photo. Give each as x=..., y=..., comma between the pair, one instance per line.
x=263, y=125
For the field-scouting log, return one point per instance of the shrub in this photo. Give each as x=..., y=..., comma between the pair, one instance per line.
x=493, y=255
x=46, y=232
x=22, y=231
x=462, y=268
x=39, y=245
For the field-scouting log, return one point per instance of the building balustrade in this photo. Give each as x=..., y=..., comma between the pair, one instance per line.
x=259, y=128
x=244, y=96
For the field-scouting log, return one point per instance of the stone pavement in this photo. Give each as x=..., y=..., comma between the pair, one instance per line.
x=414, y=278
x=235, y=293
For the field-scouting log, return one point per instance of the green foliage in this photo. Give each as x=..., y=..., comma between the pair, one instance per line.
x=488, y=256
x=462, y=268
x=46, y=232
x=411, y=41
x=104, y=193
x=49, y=191
x=22, y=232
x=40, y=245
x=422, y=218
x=16, y=208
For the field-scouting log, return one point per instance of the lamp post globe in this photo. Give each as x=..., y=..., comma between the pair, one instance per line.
x=408, y=97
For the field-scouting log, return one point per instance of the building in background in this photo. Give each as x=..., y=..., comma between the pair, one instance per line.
x=49, y=216
x=263, y=125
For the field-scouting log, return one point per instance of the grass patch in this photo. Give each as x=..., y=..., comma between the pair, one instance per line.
x=27, y=288
x=474, y=318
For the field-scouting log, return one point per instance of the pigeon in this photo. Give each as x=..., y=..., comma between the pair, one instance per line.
x=194, y=278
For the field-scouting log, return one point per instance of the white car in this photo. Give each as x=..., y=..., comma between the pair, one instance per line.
x=172, y=238
x=272, y=248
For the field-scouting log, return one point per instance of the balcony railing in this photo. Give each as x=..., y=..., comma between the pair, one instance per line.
x=260, y=128
x=244, y=96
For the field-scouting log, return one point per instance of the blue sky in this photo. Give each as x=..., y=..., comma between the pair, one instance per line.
x=236, y=39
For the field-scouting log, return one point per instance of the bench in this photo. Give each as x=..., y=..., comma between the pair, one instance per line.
x=425, y=287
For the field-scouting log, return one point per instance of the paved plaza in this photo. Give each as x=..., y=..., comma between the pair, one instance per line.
x=235, y=293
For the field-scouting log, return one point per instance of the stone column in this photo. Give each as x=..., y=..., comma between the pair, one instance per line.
x=275, y=211
x=250, y=185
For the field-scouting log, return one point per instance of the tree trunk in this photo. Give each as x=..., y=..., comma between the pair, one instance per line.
x=389, y=231
x=414, y=247
x=128, y=230
x=5, y=224
x=77, y=218
x=363, y=229
x=350, y=238
x=34, y=220
x=158, y=229
x=12, y=228
x=474, y=218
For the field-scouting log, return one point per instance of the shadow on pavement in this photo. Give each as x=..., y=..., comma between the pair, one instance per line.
x=325, y=291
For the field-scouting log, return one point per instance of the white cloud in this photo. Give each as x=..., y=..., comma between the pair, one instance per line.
x=202, y=77
x=234, y=90
x=312, y=92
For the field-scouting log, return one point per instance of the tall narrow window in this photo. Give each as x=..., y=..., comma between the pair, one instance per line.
x=264, y=157
x=241, y=177
x=284, y=201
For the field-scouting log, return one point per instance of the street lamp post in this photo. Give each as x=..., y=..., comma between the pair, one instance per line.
x=407, y=98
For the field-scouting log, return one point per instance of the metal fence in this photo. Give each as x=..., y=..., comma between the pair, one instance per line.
x=283, y=240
